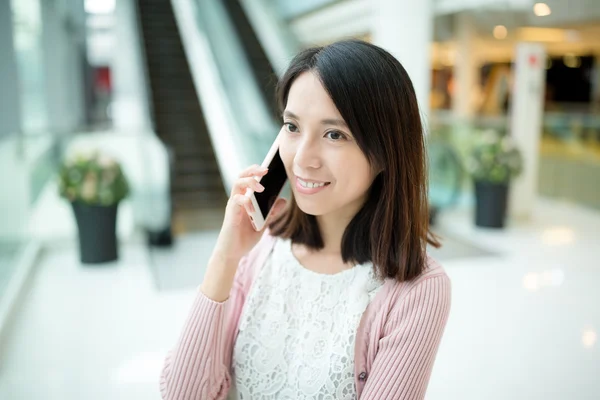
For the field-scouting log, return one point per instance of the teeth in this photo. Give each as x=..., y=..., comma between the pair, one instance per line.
x=310, y=185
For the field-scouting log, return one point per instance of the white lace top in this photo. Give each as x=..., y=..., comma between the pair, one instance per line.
x=297, y=330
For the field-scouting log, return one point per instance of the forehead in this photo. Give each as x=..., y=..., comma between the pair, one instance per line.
x=308, y=98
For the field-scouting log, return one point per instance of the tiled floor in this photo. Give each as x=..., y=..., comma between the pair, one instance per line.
x=524, y=325
x=180, y=267
x=90, y=333
x=524, y=322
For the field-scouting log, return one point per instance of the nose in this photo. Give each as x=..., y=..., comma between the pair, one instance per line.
x=308, y=154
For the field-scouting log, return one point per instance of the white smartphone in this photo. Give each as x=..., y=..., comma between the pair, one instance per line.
x=273, y=183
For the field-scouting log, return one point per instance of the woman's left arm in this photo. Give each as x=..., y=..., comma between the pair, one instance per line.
x=406, y=353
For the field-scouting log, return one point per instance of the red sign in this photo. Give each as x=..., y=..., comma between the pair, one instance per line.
x=533, y=60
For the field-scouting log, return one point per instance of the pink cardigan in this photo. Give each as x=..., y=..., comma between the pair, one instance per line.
x=396, y=343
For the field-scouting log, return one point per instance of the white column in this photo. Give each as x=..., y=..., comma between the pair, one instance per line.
x=405, y=29
x=527, y=112
x=10, y=104
x=130, y=105
x=465, y=67
x=64, y=64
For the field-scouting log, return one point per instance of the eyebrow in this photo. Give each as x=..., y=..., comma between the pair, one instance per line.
x=328, y=121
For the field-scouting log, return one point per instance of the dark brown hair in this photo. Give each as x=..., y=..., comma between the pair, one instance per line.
x=376, y=98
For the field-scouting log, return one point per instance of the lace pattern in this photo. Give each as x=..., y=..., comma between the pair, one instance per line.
x=297, y=330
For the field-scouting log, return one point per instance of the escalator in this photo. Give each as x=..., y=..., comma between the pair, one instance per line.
x=180, y=111
x=197, y=185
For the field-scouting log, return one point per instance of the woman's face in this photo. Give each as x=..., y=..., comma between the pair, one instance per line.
x=327, y=170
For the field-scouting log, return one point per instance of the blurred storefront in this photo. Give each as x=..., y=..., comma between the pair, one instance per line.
x=472, y=60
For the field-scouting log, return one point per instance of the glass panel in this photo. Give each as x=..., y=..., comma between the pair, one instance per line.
x=21, y=181
x=293, y=8
x=257, y=129
x=29, y=54
x=569, y=158
x=9, y=249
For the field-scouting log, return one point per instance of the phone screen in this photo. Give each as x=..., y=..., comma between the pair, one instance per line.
x=273, y=182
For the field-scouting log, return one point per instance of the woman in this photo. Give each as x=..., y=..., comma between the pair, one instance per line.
x=338, y=300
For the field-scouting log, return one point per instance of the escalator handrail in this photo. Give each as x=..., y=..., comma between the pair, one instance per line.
x=220, y=118
x=278, y=40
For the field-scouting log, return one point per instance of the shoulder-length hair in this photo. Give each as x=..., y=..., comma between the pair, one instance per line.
x=376, y=98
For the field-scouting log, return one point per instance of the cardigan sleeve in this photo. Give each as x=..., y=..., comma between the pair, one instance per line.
x=407, y=350
x=198, y=367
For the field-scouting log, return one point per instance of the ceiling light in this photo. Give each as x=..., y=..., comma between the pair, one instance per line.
x=541, y=9
x=572, y=61
x=589, y=338
x=99, y=6
x=500, y=32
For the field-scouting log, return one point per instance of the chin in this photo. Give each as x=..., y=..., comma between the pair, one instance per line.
x=310, y=208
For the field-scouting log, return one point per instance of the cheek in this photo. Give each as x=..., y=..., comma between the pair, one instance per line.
x=287, y=153
x=353, y=173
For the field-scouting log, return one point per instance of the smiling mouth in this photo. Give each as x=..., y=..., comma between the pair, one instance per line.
x=311, y=185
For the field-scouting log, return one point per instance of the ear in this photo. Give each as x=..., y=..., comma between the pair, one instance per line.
x=376, y=170
x=278, y=207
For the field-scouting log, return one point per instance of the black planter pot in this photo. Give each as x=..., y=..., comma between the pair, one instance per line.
x=97, y=232
x=491, y=200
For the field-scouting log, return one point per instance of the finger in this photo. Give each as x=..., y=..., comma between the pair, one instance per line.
x=253, y=170
x=247, y=170
x=242, y=184
x=243, y=201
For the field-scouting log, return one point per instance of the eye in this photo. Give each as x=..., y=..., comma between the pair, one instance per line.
x=290, y=127
x=335, y=135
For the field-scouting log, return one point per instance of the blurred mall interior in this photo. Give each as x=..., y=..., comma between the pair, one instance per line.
x=181, y=94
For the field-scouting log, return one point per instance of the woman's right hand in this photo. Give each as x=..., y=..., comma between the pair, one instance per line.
x=238, y=236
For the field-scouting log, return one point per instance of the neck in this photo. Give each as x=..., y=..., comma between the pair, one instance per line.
x=332, y=227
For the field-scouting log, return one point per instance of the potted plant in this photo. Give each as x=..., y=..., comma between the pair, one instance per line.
x=94, y=184
x=492, y=163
